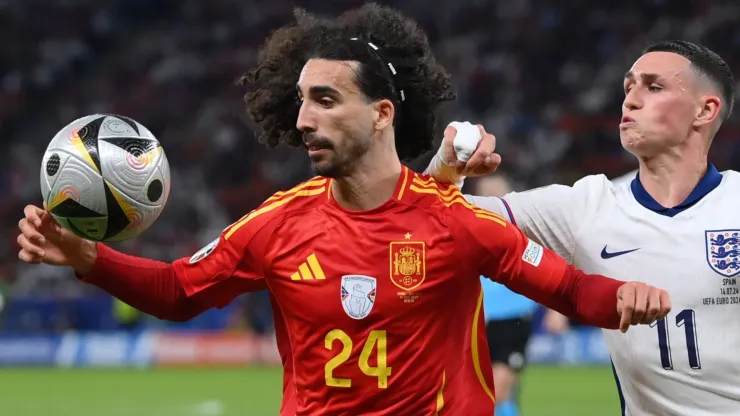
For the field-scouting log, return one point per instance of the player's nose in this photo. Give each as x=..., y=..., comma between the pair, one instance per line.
x=306, y=121
x=632, y=101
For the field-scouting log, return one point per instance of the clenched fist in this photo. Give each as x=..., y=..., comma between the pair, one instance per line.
x=639, y=303
x=470, y=149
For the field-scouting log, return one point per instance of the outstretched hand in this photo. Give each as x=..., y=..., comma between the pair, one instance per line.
x=43, y=240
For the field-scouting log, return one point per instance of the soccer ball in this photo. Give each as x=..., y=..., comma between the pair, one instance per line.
x=105, y=178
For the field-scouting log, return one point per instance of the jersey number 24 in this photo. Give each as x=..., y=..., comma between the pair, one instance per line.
x=381, y=371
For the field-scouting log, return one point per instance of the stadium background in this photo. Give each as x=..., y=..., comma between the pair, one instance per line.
x=544, y=76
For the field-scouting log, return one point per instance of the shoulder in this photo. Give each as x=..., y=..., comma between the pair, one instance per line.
x=586, y=193
x=307, y=195
x=625, y=179
x=446, y=200
x=731, y=175
x=597, y=183
x=595, y=189
x=587, y=187
x=727, y=189
x=424, y=190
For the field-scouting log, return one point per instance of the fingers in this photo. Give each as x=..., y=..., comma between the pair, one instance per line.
x=483, y=134
x=30, y=252
x=33, y=214
x=450, y=158
x=30, y=231
x=469, y=149
x=30, y=239
x=627, y=302
x=653, y=306
x=483, y=152
x=28, y=257
x=489, y=165
x=639, y=303
x=665, y=305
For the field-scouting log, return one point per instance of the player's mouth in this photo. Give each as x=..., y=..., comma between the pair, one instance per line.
x=316, y=151
x=316, y=146
x=627, y=121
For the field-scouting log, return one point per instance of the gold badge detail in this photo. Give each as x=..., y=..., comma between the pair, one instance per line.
x=408, y=264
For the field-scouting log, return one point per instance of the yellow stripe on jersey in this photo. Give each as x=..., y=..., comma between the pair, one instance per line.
x=304, y=272
x=313, y=264
x=268, y=208
x=440, y=395
x=405, y=174
x=311, y=183
x=427, y=181
x=494, y=218
x=446, y=190
x=456, y=197
x=474, y=345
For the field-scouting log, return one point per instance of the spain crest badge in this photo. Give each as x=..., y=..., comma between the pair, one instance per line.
x=408, y=264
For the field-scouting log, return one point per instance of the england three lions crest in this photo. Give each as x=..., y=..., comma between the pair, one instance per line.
x=358, y=295
x=408, y=264
x=723, y=251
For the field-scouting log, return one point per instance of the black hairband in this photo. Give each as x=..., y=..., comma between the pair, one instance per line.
x=375, y=50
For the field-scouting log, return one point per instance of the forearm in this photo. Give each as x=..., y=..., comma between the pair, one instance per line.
x=587, y=298
x=147, y=285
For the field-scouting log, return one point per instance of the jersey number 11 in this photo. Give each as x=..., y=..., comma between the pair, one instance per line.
x=684, y=319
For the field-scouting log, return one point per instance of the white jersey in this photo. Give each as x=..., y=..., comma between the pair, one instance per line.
x=688, y=363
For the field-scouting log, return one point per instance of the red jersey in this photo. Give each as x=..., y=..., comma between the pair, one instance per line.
x=288, y=407
x=383, y=308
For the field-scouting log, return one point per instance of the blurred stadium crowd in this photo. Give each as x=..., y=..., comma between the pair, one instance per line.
x=544, y=76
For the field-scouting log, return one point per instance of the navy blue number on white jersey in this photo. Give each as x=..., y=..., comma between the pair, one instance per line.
x=684, y=319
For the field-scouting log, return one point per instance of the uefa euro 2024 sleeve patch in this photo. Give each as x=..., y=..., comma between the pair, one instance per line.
x=204, y=252
x=533, y=253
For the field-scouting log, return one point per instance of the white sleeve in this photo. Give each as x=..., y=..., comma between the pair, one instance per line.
x=490, y=203
x=551, y=215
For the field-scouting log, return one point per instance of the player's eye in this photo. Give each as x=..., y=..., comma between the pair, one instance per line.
x=654, y=88
x=326, y=102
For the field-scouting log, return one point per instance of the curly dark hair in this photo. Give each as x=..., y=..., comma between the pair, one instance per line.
x=271, y=100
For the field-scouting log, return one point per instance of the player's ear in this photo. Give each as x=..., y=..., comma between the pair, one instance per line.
x=384, y=111
x=708, y=110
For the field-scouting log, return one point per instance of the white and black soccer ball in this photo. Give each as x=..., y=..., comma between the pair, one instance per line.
x=105, y=178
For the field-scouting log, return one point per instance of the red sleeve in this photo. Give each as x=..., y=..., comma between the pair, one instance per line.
x=504, y=254
x=227, y=267
x=147, y=285
x=231, y=264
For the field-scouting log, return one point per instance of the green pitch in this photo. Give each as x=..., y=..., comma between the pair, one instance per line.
x=548, y=391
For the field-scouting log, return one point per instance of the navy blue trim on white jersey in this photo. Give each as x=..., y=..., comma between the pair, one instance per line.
x=708, y=182
x=508, y=211
x=619, y=390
